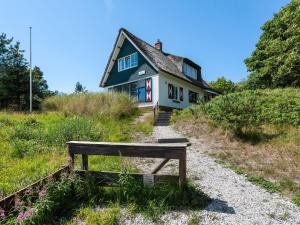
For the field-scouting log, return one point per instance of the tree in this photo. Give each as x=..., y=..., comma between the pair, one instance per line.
x=14, y=78
x=276, y=60
x=79, y=88
x=224, y=86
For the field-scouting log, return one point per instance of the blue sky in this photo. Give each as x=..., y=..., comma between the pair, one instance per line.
x=72, y=39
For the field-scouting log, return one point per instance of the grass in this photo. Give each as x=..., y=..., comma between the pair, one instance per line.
x=107, y=216
x=114, y=105
x=268, y=154
x=32, y=146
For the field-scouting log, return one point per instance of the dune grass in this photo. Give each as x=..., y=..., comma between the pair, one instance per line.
x=32, y=146
x=113, y=105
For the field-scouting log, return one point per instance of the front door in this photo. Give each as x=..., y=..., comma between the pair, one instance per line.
x=142, y=94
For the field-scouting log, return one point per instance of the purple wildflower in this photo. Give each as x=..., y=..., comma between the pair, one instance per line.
x=2, y=214
x=18, y=203
x=23, y=215
x=20, y=217
x=42, y=193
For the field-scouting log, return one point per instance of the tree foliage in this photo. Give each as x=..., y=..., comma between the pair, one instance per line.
x=79, y=88
x=224, y=86
x=14, y=78
x=276, y=59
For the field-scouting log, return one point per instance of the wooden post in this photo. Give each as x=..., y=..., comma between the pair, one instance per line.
x=85, y=162
x=71, y=159
x=182, y=169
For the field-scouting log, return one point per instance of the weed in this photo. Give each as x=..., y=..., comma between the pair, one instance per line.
x=194, y=220
x=267, y=185
x=296, y=199
x=107, y=216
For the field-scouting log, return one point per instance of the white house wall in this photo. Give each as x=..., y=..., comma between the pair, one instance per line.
x=155, y=93
x=164, y=80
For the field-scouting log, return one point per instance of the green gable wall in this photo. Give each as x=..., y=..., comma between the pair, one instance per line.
x=116, y=77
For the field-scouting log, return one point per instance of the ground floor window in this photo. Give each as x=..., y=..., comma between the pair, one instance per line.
x=141, y=89
x=181, y=94
x=173, y=92
x=193, y=97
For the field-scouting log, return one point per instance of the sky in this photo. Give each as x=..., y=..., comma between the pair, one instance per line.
x=72, y=39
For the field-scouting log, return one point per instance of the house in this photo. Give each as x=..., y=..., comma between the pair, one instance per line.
x=152, y=76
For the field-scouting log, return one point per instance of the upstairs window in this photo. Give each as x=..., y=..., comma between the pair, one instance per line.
x=128, y=62
x=189, y=71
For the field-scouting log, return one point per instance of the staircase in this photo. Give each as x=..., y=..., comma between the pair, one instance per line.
x=163, y=119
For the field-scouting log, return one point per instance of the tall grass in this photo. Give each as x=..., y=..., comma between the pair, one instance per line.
x=115, y=105
x=32, y=146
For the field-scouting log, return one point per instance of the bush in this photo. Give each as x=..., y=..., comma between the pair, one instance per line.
x=115, y=105
x=248, y=109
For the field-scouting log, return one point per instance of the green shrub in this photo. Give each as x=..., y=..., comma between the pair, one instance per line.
x=248, y=109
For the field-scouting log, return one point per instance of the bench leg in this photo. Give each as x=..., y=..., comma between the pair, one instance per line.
x=71, y=160
x=85, y=162
x=182, y=170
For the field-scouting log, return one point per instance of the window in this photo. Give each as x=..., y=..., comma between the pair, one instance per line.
x=128, y=62
x=141, y=90
x=189, y=71
x=193, y=97
x=172, y=92
x=181, y=94
x=175, y=94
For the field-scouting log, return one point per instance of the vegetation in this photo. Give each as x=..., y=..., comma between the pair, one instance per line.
x=107, y=216
x=73, y=196
x=32, y=146
x=253, y=126
x=79, y=88
x=245, y=110
x=116, y=105
x=14, y=78
x=223, y=86
x=275, y=61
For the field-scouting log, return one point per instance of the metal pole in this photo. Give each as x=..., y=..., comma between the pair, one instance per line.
x=30, y=75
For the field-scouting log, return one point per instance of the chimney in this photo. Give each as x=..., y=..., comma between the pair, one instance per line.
x=158, y=45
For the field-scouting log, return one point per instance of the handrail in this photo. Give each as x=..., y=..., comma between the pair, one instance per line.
x=155, y=109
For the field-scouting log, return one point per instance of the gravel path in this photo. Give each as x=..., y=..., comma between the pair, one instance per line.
x=235, y=200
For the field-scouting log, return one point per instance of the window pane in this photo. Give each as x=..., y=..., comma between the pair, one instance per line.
x=133, y=89
x=119, y=65
x=134, y=59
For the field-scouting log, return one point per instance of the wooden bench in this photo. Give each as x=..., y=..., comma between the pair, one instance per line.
x=144, y=150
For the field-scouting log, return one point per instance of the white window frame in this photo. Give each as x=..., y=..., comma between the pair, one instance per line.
x=132, y=59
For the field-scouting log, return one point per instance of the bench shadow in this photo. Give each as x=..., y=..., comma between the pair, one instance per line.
x=217, y=205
